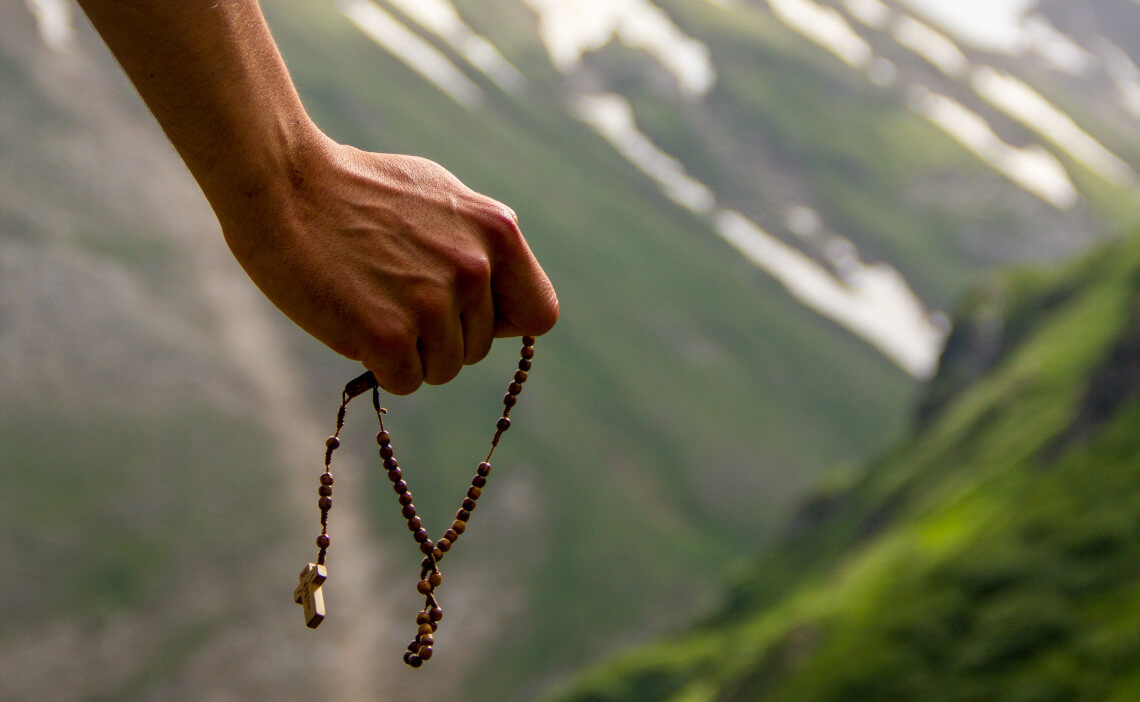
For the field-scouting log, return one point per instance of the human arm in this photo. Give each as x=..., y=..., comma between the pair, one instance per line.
x=387, y=259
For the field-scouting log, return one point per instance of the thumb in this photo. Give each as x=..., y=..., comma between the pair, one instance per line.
x=525, y=301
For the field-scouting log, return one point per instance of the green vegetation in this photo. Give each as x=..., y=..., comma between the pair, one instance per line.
x=991, y=555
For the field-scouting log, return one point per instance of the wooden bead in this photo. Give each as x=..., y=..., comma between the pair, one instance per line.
x=443, y=544
x=524, y=364
x=420, y=534
x=514, y=388
x=435, y=579
x=427, y=640
x=386, y=451
x=400, y=486
x=425, y=628
x=451, y=534
x=323, y=541
x=478, y=481
x=483, y=469
x=474, y=492
x=427, y=548
x=425, y=652
x=528, y=341
x=435, y=614
x=459, y=527
x=415, y=661
x=408, y=654
x=462, y=515
x=408, y=511
x=395, y=474
x=406, y=498
x=436, y=553
x=390, y=463
x=520, y=376
x=424, y=587
x=527, y=352
x=383, y=438
x=422, y=618
x=510, y=400
x=325, y=503
x=435, y=626
x=326, y=479
x=325, y=491
x=332, y=442
x=413, y=647
x=468, y=506
x=504, y=423
x=414, y=524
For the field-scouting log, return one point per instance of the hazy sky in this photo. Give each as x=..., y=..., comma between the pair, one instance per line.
x=987, y=23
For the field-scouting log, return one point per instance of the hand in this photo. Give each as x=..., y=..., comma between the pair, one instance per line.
x=389, y=260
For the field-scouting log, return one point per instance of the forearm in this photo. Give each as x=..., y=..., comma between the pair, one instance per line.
x=212, y=76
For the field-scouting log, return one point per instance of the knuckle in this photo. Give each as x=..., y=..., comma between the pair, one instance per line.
x=472, y=271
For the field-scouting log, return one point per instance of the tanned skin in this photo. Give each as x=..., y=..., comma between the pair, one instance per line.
x=387, y=259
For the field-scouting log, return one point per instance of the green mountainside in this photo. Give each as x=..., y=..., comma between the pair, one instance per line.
x=992, y=554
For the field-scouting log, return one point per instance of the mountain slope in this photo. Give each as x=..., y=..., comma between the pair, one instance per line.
x=992, y=555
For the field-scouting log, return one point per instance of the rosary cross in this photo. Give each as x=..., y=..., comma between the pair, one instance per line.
x=308, y=594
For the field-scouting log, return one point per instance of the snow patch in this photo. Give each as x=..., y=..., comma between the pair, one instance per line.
x=571, y=28
x=417, y=54
x=882, y=72
x=872, y=13
x=825, y=27
x=441, y=18
x=929, y=44
x=54, y=22
x=1124, y=75
x=611, y=116
x=1027, y=106
x=1034, y=169
x=873, y=301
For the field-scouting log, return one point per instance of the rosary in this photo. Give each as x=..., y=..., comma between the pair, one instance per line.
x=308, y=593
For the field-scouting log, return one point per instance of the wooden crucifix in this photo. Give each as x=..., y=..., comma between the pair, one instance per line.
x=308, y=594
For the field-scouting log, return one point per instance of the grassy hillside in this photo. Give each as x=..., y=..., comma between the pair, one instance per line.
x=991, y=555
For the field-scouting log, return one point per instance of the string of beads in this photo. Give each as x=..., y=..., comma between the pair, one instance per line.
x=428, y=618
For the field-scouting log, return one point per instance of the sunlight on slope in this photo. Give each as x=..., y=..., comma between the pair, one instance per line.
x=1125, y=77
x=872, y=13
x=571, y=28
x=1033, y=168
x=441, y=18
x=417, y=54
x=825, y=27
x=612, y=117
x=54, y=22
x=1027, y=106
x=930, y=45
x=873, y=301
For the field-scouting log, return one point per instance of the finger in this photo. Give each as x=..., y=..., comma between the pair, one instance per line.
x=441, y=350
x=478, y=322
x=394, y=360
x=524, y=299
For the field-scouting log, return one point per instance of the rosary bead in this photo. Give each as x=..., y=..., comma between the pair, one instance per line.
x=483, y=469
x=520, y=376
x=524, y=364
x=437, y=554
x=527, y=352
x=528, y=340
x=478, y=481
x=425, y=652
x=414, y=524
x=451, y=534
x=395, y=474
x=386, y=451
x=415, y=661
x=325, y=503
x=383, y=438
x=332, y=442
x=406, y=498
x=427, y=548
x=422, y=618
x=444, y=545
x=427, y=640
x=458, y=527
x=474, y=492
x=435, y=614
x=435, y=579
x=326, y=478
x=408, y=654
x=504, y=423
x=509, y=400
x=323, y=541
x=408, y=511
x=391, y=463
x=425, y=564
x=424, y=587
x=400, y=486
x=412, y=647
x=425, y=628
x=514, y=388
x=463, y=515
x=420, y=534
x=468, y=506
x=325, y=491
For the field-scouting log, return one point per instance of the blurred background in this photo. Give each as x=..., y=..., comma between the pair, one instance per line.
x=841, y=406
